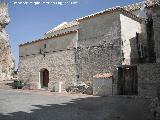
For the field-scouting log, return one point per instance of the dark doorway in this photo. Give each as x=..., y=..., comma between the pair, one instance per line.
x=45, y=77
x=127, y=80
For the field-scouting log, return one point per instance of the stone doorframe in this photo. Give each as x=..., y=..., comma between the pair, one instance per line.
x=41, y=77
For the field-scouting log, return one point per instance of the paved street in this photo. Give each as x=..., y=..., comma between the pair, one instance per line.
x=32, y=106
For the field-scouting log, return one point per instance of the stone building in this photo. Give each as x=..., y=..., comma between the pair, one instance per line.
x=6, y=57
x=121, y=41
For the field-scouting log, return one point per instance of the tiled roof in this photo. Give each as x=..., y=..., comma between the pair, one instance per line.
x=58, y=35
x=99, y=13
x=66, y=25
x=103, y=75
x=111, y=10
x=63, y=25
x=148, y=3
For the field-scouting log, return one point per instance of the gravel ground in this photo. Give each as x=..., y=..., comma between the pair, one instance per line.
x=17, y=105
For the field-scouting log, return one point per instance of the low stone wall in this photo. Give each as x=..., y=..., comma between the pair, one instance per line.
x=148, y=79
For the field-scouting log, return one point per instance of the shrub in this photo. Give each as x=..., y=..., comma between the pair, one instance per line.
x=18, y=84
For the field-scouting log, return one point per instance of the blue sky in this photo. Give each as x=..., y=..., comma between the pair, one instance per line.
x=30, y=22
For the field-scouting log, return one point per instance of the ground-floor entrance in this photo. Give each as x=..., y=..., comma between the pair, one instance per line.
x=127, y=80
x=44, y=78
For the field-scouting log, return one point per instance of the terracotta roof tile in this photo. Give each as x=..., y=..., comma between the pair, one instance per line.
x=103, y=75
x=98, y=13
x=110, y=10
x=58, y=35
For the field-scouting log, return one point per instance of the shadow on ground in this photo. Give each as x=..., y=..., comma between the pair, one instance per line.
x=91, y=108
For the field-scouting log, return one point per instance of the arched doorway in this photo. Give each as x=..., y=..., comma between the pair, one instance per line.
x=44, y=77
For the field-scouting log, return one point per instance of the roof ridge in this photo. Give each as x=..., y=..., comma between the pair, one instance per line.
x=46, y=38
x=100, y=12
x=118, y=8
x=67, y=25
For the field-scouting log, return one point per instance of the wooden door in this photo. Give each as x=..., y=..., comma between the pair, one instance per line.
x=127, y=80
x=45, y=78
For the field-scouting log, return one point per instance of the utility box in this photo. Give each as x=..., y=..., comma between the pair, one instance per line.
x=102, y=85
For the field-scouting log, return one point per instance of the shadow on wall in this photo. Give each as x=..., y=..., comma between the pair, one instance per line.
x=138, y=49
x=97, y=59
x=91, y=108
x=142, y=49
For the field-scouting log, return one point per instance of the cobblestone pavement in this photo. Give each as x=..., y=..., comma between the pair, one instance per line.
x=42, y=105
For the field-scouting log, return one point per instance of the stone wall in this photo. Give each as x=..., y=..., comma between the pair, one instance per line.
x=156, y=27
x=57, y=57
x=49, y=45
x=148, y=79
x=154, y=13
x=61, y=67
x=101, y=44
x=99, y=41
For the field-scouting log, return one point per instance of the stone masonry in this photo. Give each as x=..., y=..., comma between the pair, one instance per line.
x=102, y=46
x=148, y=79
x=6, y=57
x=95, y=47
x=95, y=44
x=57, y=56
x=156, y=26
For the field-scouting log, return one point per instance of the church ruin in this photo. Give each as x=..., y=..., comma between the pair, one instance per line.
x=6, y=57
x=122, y=41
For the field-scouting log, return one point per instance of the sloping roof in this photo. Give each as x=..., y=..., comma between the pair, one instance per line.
x=147, y=3
x=43, y=39
x=99, y=13
x=66, y=25
x=103, y=75
x=63, y=25
x=111, y=10
x=125, y=9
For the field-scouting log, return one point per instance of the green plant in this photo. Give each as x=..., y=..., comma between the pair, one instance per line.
x=18, y=84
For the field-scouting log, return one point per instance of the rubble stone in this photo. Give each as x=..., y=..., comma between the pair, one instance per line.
x=6, y=59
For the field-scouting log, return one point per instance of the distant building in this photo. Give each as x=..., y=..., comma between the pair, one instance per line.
x=123, y=41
